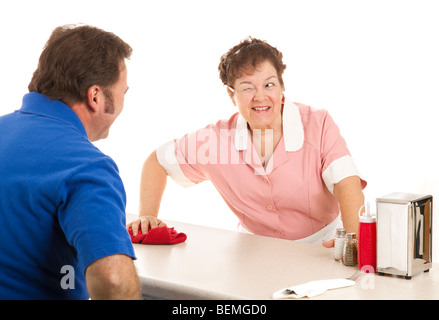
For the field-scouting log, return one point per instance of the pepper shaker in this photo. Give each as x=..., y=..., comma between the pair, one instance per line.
x=350, y=250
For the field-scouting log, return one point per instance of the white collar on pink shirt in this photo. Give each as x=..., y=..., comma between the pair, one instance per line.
x=292, y=127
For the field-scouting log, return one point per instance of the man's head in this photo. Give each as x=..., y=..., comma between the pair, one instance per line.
x=76, y=58
x=84, y=67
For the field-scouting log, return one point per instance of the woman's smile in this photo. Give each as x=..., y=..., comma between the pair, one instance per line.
x=261, y=109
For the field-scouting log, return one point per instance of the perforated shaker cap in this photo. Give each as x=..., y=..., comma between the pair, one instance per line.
x=340, y=232
x=351, y=235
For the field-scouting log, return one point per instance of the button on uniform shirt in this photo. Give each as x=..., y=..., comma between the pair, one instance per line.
x=291, y=197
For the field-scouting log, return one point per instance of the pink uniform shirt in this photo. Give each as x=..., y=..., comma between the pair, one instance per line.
x=291, y=197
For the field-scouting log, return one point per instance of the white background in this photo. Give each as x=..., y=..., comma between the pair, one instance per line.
x=373, y=64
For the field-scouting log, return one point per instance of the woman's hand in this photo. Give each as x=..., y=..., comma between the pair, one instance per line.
x=146, y=223
x=328, y=243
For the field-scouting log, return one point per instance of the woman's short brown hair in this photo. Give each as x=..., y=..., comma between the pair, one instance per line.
x=76, y=58
x=245, y=57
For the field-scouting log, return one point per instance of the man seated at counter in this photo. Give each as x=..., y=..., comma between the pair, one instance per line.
x=62, y=201
x=282, y=167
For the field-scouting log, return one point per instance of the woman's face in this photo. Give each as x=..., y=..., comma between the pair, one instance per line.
x=258, y=97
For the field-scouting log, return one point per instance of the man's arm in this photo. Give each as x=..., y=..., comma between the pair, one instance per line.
x=113, y=277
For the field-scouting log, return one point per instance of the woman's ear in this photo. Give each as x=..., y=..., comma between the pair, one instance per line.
x=231, y=95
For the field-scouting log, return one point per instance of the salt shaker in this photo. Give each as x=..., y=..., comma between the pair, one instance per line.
x=340, y=237
x=350, y=250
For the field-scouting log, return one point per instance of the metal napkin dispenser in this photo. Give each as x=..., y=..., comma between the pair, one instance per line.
x=404, y=237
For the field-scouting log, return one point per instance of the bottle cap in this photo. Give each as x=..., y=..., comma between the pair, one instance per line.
x=351, y=235
x=367, y=216
x=340, y=232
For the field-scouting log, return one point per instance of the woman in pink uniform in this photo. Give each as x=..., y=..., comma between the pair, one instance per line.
x=282, y=167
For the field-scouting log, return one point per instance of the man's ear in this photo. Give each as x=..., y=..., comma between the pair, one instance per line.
x=94, y=97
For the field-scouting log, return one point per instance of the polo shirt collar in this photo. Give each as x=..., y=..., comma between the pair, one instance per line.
x=40, y=104
x=292, y=129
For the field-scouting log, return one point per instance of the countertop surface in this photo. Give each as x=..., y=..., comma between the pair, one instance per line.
x=221, y=264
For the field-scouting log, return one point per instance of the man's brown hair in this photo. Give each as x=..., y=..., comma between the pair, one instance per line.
x=76, y=58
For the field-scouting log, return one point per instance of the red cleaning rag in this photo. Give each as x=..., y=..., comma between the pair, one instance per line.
x=159, y=235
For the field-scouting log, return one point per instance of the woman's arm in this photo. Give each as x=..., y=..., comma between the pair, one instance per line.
x=152, y=186
x=349, y=195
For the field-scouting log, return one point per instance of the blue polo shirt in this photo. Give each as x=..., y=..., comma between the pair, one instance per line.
x=62, y=203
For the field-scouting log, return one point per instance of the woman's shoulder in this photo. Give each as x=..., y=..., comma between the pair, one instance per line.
x=310, y=110
x=311, y=114
x=229, y=123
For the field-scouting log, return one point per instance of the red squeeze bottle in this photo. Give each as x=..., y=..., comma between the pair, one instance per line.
x=367, y=248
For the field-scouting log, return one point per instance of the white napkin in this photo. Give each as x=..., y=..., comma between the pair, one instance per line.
x=392, y=235
x=312, y=288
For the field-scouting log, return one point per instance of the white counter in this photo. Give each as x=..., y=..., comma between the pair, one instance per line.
x=221, y=264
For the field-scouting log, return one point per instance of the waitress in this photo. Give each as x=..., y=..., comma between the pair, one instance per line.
x=282, y=167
